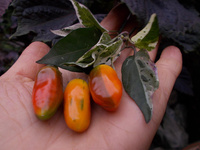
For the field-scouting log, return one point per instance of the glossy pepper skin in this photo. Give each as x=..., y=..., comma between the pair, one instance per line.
x=47, y=92
x=77, y=109
x=105, y=87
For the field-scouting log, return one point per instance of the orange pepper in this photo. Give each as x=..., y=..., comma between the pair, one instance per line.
x=77, y=109
x=47, y=92
x=105, y=87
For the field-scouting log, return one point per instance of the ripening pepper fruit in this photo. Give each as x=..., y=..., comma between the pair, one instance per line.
x=47, y=92
x=105, y=87
x=77, y=109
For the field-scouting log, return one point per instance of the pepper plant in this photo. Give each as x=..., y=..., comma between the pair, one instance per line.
x=88, y=44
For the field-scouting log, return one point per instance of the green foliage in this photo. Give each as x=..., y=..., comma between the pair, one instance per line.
x=71, y=47
x=89, y=57
x=85, y=17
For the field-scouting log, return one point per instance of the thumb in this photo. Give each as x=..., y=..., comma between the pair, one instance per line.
x=169, y=67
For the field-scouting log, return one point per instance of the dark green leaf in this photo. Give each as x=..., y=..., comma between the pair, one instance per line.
x=89, y=57
x=104, y=52
x=71, y=47
x=139, y=78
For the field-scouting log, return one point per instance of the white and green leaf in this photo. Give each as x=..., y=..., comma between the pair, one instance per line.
x=110, y=53
x=90, y=56
x=69, y=49
x=104, y=52
x=85, y=17
x=148, y=37
x=65, y=31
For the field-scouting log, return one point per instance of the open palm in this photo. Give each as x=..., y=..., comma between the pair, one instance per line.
x=123, y=129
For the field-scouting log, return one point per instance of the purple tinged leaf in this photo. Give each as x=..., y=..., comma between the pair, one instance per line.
x=41, y=16
x=3, y=6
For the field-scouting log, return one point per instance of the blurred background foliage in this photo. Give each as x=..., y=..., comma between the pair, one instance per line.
x=29, y=20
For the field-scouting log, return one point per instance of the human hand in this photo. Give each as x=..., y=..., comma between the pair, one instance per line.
x=123, y=129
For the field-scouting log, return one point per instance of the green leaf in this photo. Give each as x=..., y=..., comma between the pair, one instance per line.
x=110, y=53
x=85, y=16
x=71, y=47
x=148, y=37
x=139, y=78
x=104, y=52
x=90, y=56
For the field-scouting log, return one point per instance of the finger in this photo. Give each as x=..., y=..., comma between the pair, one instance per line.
x=26, y=64
x=115, y=18
x=169, y=67
x=130, y=26
x=153, y=53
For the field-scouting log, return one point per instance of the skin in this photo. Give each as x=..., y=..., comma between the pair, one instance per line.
x=124, y=129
